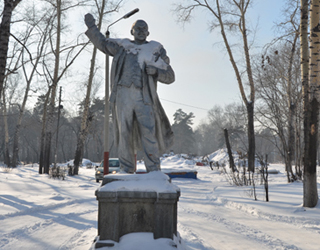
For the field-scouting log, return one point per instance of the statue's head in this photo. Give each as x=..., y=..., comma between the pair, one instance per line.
x=140, y=31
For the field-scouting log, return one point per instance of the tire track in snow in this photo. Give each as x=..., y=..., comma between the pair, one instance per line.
x=194, y=240
x=248, y=232
x=302, y=222
x=24, y=231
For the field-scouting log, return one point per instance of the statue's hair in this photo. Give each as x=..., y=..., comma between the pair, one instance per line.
x=139, y=21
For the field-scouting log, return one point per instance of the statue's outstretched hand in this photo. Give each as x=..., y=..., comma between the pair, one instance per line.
x=89, y=20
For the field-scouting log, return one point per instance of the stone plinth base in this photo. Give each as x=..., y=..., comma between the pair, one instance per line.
x=137, y=203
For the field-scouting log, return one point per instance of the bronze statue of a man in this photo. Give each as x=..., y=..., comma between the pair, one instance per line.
x=138, y=117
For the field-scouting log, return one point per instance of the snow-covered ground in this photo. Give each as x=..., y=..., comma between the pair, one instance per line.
x=37, y=212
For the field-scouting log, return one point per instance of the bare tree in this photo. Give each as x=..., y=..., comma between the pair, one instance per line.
x=5, y=25
x=11, y=83
x=33, y=64
x=289, y=34
x=293, y=35
x=57, y=48
x=231, y=14
x=279, y=93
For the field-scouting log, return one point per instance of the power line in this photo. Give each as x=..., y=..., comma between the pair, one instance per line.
x=185, y=104
x=179, y=103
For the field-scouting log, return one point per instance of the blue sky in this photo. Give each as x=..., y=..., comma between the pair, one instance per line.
x=204, y=76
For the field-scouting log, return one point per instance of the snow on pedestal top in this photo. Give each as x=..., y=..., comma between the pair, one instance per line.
x=155, y=181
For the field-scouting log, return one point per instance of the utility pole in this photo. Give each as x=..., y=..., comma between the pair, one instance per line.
x=106, y=117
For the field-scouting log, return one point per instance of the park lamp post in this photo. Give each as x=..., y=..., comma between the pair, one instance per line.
x=106, y=100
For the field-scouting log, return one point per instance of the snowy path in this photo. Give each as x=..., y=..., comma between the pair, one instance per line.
x=231, y=225
x=41, y=213
x=50, y=214
x=33, y=227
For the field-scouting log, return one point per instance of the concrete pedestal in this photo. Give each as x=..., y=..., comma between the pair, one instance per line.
x=137, y=203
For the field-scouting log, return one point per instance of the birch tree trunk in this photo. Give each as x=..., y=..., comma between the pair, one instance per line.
x=9, y=6
x=310, y=192
x=304, y=52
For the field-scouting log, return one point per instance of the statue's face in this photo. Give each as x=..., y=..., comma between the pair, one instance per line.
x=140, y=31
